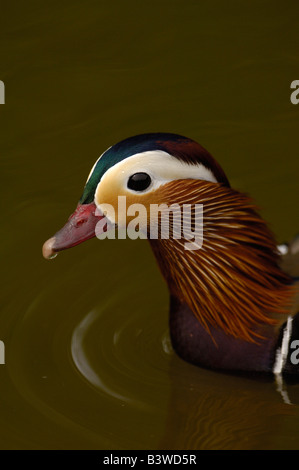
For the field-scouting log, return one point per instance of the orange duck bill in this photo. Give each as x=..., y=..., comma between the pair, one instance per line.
x=80, y=227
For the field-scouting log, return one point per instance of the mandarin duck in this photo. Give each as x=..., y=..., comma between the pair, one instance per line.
x=233, y=301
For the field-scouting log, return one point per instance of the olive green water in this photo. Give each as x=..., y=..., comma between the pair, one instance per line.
x=88, y=359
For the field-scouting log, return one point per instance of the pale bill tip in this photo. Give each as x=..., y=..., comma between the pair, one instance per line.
x=48, y=251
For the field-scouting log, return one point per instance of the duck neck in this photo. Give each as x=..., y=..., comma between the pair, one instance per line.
x=232, y=287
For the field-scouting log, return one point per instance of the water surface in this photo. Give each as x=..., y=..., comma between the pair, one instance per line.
x=88, y=359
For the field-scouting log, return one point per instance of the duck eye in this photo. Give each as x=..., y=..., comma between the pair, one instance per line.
x=139, y=181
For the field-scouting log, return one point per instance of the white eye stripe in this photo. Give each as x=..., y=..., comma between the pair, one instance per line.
x=161, y=167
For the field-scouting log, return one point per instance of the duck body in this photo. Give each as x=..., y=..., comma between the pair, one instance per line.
x=234, y=301
x=193, y=343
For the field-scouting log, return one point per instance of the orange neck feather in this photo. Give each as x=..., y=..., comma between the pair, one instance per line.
x=234, y=281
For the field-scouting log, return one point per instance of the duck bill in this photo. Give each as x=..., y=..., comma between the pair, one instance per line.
x=80, y=227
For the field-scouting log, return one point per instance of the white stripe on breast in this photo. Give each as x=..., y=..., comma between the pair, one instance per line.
x=282, y=352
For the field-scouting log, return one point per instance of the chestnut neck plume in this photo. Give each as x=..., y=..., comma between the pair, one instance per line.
x=234, y=282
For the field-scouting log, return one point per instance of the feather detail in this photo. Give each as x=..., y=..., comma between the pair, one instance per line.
x=234, y=282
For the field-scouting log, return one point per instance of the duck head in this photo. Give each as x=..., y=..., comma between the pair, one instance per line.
x=233, y=286
x=135, y=168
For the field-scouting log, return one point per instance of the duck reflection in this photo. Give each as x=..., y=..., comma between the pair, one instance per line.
x=212, y=411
